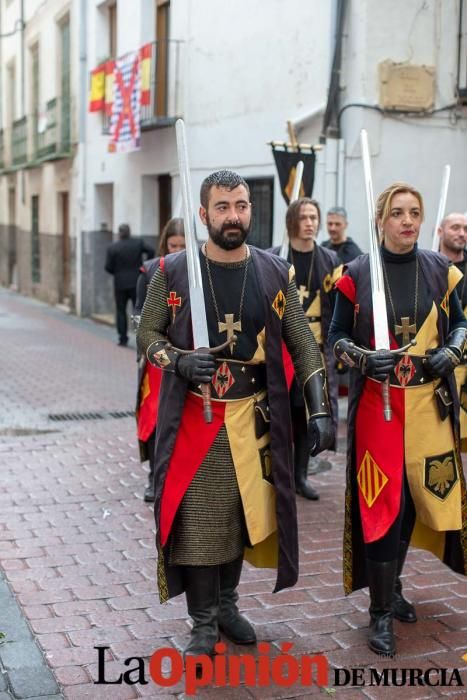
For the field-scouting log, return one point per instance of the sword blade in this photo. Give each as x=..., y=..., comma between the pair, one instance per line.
x=284, y=251
x=378, y=295
x=195, y=280
x=441, y=206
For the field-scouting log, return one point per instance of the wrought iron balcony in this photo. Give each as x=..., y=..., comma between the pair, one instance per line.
x=164, y=105
x=51, y=131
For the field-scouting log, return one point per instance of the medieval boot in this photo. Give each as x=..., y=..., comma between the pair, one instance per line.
x=301, y=457
x=149, y=490
x=381, y=580
x=202, y=597
x=403, y=610
x=231, y=622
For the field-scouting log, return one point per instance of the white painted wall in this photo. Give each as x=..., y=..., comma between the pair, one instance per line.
x=246, y=68
x=403, y=147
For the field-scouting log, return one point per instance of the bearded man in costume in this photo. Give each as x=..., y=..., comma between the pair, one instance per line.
x=452, y=241
x=316, y=271
x=404, y=477
x=224, y=490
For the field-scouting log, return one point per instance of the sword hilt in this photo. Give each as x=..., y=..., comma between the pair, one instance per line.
x=205, y=388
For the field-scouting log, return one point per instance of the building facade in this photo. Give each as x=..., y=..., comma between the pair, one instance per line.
x=236, y=73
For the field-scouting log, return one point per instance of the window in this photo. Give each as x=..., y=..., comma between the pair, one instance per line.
x=35, y=97
x=113, y=30
x=35, y=243
x=262, y=200
x=162, y=53
x=65, y=84
x=462, y=55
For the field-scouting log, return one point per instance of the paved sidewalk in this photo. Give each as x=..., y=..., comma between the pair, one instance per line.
x=76, y=539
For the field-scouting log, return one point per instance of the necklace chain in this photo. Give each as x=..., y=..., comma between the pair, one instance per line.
x=237, y=325
x=396, y=325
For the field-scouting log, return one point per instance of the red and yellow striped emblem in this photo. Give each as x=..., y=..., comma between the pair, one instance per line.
x=371, y=479
x=279, y=304
x=445, y=303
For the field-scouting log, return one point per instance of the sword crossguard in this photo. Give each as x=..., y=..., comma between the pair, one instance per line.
x=205, y=388
x=395, y=351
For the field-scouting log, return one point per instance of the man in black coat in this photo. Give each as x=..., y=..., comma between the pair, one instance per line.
x=124, y=258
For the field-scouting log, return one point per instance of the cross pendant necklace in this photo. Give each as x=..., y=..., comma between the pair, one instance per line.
x=302, y=291
x=405, y=328
x=229, y=325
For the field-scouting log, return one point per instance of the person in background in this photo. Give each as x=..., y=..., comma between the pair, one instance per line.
x=339, y=241
x=172, y=240
x=123, y=260
x=452, y=241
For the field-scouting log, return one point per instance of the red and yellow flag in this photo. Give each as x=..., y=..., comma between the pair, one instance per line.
x=148, y=401
x=96, y=97
x=146, y=57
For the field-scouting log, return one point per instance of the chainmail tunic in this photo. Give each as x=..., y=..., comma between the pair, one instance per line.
x=209, y=527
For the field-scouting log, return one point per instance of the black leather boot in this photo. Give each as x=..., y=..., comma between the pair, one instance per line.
x=301, y=458
x=202, y=597
x=231, y=622
x=381, y=580
x=149, y=490
x=403, y=609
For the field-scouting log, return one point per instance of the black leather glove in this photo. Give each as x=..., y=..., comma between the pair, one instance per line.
x=197, y=367
x=321, y=434
x=379, y=364
x=441, y=362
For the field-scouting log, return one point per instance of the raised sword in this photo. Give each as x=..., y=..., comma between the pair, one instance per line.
x=441, y=206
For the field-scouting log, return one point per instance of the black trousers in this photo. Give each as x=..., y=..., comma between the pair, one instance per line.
x=122, y=296
x=387, y=548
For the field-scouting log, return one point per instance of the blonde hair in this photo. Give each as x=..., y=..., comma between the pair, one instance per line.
x=384, y=201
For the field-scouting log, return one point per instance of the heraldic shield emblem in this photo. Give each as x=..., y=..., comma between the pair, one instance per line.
x=441, y=474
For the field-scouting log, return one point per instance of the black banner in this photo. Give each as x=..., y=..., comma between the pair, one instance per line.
x=286, y=163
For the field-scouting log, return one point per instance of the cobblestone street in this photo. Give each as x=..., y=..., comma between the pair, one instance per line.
x=77, y=556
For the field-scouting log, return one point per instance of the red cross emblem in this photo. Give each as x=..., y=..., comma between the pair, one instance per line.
x=172, y=302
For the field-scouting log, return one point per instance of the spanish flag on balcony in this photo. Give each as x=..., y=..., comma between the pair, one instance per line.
x=109, y=86
x=146, y=56
x=96, y=98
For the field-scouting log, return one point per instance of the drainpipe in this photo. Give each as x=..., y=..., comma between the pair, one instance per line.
x=81, y=155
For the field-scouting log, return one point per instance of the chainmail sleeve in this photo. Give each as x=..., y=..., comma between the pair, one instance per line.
x=155, y=314
x=298, y=337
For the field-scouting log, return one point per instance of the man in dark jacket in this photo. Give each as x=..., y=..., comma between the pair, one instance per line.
x=344, y=247
x=124, y=258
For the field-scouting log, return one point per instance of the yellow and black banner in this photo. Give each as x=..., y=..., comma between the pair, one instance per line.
x=286, y=162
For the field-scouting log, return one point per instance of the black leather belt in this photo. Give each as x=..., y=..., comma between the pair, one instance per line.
x=409, y=371
x=235, y=380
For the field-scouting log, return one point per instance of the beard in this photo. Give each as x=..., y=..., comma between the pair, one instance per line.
x=228, y=236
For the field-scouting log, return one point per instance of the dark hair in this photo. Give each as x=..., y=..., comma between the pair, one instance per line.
x=124, y=231
x=293, y=214
x=222, y=178
x=173, y=227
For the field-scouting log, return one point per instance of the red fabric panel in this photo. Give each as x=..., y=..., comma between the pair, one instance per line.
x=346, y=285
x=194, y=438
x=288, y=366
x=385, y=443
x=162, y=263
x=147, y=411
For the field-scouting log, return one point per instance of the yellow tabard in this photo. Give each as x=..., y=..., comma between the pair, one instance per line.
x=461, y=380
x=252, y=460
x=315, y=310
x=431, y=458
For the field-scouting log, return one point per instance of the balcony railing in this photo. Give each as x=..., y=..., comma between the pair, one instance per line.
x=44, y=135
x=51, y=131
x=164, y=104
